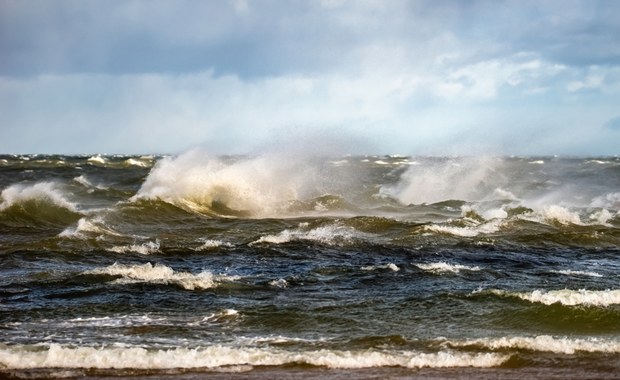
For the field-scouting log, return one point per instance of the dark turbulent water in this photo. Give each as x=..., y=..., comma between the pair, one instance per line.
x=130, y=265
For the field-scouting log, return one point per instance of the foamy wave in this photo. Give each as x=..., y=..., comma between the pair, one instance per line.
x=135, y=162
x=577, y=273
x=82, y=180
x=545, y=343
x=55, y=355
x=147, y=248
x=443, y=267
x=391, y=266
x=330, y=234
x=161, y=274
x=489, y=227
x=260, y=186
x=41, y=191
x=97, y=159
x=86, y=225
x=212, y=244
x=567, y=297
x=279, y=283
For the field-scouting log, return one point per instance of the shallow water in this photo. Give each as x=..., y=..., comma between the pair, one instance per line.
x=324, y=266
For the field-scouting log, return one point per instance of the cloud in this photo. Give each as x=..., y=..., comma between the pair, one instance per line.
x=613, y=124
x=268, y=37
x=412, y=76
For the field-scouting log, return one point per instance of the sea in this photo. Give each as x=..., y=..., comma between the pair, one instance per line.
x=286, y=266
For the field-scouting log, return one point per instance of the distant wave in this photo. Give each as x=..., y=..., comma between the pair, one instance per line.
x=443, y=267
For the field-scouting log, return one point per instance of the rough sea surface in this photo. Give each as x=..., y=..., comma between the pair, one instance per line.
x=275, y=266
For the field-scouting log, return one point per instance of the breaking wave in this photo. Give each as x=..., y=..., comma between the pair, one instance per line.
x=59, y=356
x=443, y=267
x=331, y=234
x=545, y=343
x=40, y=203
x=160, y=274
x=601, y=298
x=198, y=182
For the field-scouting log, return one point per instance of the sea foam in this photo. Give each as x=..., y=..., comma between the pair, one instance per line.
x=59, y=356
x=443, y=267
x=562, y=345
x=601, y=298
x=161, y=274
x=332, y=234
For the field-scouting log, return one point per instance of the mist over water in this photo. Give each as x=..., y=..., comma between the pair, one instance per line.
x=310, y=259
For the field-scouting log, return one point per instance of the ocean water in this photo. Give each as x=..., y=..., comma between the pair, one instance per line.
x=275, y=266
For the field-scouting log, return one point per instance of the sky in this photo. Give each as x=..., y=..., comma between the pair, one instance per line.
x=435, y=77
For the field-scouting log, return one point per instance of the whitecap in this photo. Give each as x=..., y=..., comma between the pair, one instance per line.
x=88, y=225
x=97, y=159
x=40, y=191
x=443, y=267
x=212, y=244
x=546, y=343
x=146, y=248
x=134, y=162
x=161, y=274
x=332, y=234
x=391, y=266
x=60, y=356
x=568, y=272
x=489, y=227
x=567, y=297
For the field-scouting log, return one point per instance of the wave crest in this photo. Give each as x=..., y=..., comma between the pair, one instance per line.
x=160, y=274
x=224, y=186
x=40, y=203
x=567, y=297
x=59, y=356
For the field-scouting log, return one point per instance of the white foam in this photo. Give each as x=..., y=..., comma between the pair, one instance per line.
x=146, y=248
x=279, y=283
x=45, y=191
x=212, y=244
x=391, y=266
x=443, y=267
x=161, y=274
x=59, y=356
x=489, y=227
x=601, y=217
x=260, y=187
x=134, y=162
x=221, y=316
x=537, y=162
x=577, y=273
x=97, y=159
x=559, y=214
x=330, y=234
x=82, y=180
x=85, y=225
x=546, y=343
x=567, y=297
